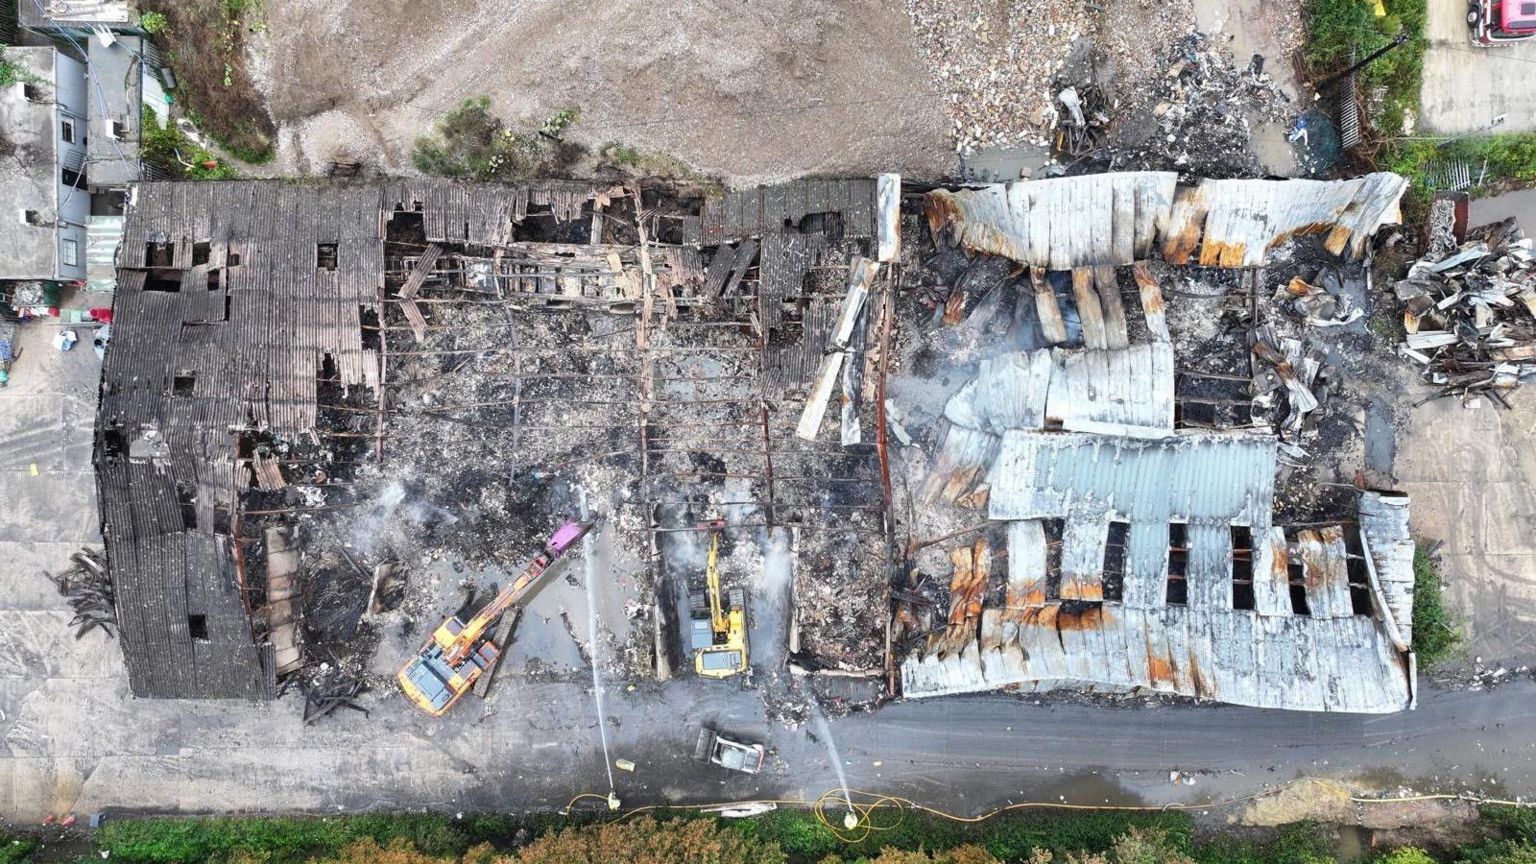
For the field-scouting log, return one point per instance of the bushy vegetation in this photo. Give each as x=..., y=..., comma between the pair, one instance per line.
x=1436, y=632
x=15, y=850
x=471, y=143
x=1506, y=835
x=204, y=40
x=1342, y=31
x=1508, y=157
x=13, y=73
x=153, y=22
x=1510, y=837
x=169, y=149
x=1010, y=838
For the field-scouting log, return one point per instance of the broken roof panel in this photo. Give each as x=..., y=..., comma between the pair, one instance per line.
x=1337, y=664
x=1123, y=392
x=1384, y=528
x=1059, y=223
x=1236, y=222
x=1208, y=477
x=1114, y=219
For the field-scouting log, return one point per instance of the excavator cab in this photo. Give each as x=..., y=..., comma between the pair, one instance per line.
x=717, y=629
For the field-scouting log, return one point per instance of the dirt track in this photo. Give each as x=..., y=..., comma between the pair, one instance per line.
x=754, y=92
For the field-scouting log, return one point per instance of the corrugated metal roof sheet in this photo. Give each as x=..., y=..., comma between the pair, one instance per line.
x=1099, y=219
x=1237, y=222
x=102, y=237
x=1294, y=662
x=1128, y=391
x=1060, y=223
x=1384, y=524
x=1207, y=477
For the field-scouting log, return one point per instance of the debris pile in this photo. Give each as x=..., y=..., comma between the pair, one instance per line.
x=994, y=64
x=1200, y=115
x=1470, y=313
x=89, y=590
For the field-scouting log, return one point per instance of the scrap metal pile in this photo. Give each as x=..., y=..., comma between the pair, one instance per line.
x=1470, y=313
x=89, y=590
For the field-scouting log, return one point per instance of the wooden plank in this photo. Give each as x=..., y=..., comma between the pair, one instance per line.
x=746, y=253
x=1151, y=301
x=1088, y=309
x=1108, y=286
x=1049, y=312
x=414, y=317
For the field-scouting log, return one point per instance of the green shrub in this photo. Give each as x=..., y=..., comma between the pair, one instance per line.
x=1406, y=855
x=176, y=154
x=12, y=73
x=153, y=22
x=1342, y=31
x=277, y=840
x=1009, y=837
x=1436, y=632
x=16, y=850
x=472, y=144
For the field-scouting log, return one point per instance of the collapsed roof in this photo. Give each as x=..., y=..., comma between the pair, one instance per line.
x=1141, y=555
x=247, y=311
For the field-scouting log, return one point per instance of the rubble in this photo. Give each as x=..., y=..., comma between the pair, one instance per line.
x=1469, y=313
x=995, y=64
x=1198, y=115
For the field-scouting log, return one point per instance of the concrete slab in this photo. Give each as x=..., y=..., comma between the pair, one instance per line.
x=1472, y=474
x=1466, y=87
x=1521, y=205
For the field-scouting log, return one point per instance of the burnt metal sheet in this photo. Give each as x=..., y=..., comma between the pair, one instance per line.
x=1128, y=392
x=1060, y=223
x=1334, y=664
x=1116, y=219
x=1235, y=223
x=1389, y=547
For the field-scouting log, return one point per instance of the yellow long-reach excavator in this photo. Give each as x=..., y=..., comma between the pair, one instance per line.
x=460, y=651
x=719, y=634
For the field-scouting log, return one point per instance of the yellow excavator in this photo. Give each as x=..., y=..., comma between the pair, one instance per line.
x=719, y=635
x=459, y=652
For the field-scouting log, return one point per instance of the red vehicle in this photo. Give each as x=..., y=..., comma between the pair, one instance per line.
x=1500, y=22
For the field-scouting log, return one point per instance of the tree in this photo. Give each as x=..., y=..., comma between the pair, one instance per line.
x=647, y=841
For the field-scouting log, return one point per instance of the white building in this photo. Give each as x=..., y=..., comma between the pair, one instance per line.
x=43, y=122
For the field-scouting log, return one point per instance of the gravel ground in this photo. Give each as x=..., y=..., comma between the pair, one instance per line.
x=995, y=63
x=754, y=93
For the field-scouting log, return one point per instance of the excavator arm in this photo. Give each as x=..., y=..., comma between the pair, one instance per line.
x=458, y=653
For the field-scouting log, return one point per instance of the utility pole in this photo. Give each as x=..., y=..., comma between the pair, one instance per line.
x=1397, y=40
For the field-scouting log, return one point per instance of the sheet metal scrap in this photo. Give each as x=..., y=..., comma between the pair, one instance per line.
x=1470, y=313
x=89, y=590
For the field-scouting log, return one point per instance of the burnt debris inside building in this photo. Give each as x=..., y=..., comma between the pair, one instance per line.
x=1039, y=435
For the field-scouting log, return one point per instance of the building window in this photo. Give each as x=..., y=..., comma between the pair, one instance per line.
x=67, y=130
x=119, y=129
x=71, y=178
x=32, y=217
x=32, y=92
x=1178, y=564
x=325, y=256
x=1242, y=567
x=197, y=627
x=71, y=253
